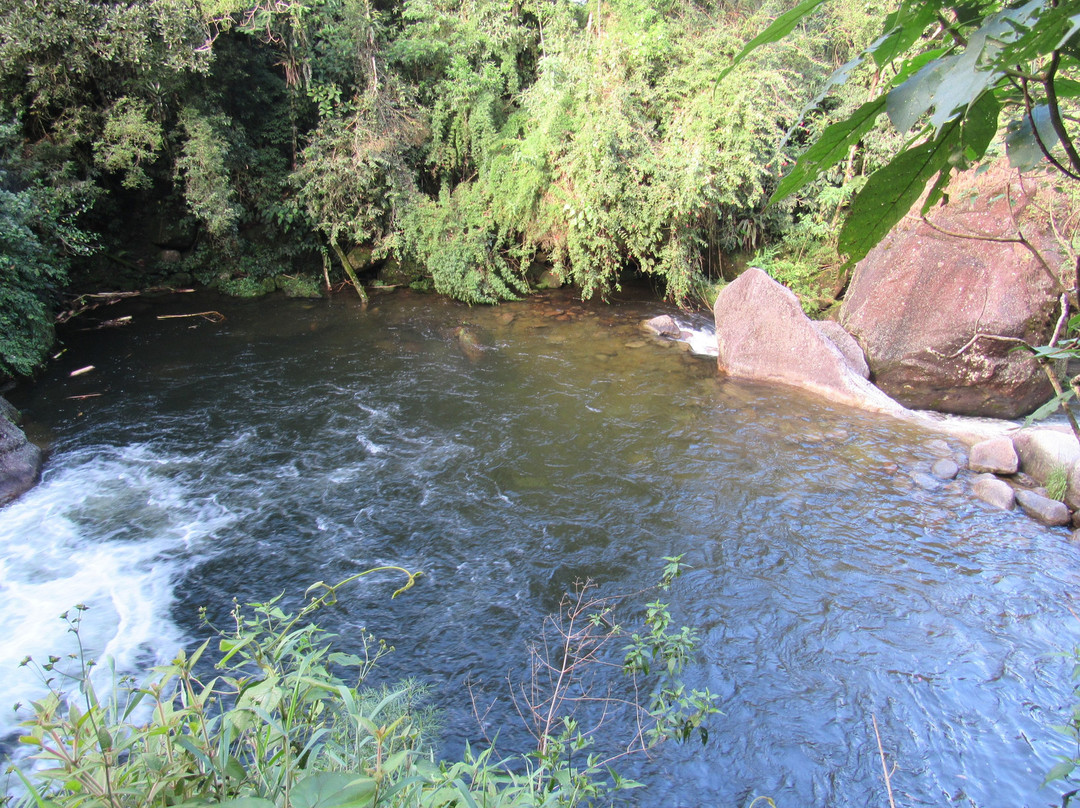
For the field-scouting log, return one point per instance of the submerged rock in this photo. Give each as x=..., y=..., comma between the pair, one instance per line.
x=945, y=469
x=469, y=343
x=927, y=482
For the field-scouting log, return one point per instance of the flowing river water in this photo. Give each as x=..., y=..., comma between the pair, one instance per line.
x=303, y=441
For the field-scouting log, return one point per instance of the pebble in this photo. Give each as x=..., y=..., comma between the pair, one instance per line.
x=945, y=469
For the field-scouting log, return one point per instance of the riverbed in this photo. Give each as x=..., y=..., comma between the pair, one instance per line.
x=507, y=452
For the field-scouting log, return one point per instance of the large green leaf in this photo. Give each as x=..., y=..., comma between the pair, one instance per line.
x=777, y=30
x=891, y=191
x=1041, y=30
x=978, y=128
x=1067, y=88
x=1022, y=145
x=977, y=131
x=830, y=148
x=333, y=790
x=903, y=29
x=950, y=85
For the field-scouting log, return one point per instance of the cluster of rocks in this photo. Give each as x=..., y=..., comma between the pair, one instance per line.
x=1014, y=471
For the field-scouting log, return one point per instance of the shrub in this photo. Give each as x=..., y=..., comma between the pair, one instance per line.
x=280, y=726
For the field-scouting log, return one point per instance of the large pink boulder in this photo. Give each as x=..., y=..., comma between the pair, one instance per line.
x=940, y=316
x=763, y=334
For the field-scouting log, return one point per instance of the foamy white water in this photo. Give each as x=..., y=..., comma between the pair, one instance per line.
x=110, y=529
x=701, y=337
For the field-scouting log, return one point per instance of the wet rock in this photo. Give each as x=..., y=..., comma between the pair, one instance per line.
x=1042, y=450
x=945, y=469
x=939, y=316
x=663, y=326
x=1042, y=509
x=939, y=447
x=925, y=481
x=10, y=412
x=20, y=460
x=763, y=334
x=996, y=455
x=469, y=343
x=997, y=492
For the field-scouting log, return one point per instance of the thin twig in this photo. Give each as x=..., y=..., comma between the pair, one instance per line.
x=212, y=316
x=884, y=769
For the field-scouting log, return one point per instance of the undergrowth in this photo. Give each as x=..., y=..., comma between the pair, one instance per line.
x=287, y=721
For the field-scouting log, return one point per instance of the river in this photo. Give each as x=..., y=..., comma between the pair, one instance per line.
x=296, y=441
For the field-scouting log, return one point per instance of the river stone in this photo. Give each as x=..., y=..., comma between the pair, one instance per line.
x=997, y=492
x=1043, y=449
x=995, y=455
x=940, y=317
x=663, y=325
x=925, y=481
x=945, y=469
x=1042, y=509
x=9, y=411
x=846, y=344
x=763, y=334
x=20, y=461
x=939, y=447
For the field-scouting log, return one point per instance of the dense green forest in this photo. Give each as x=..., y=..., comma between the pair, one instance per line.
x=456, y=145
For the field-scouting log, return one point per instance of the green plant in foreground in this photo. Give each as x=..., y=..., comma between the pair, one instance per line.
x=1057, y=483
x=279, y=726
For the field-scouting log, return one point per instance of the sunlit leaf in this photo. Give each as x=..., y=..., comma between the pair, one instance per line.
x=891, y=191
x=830, y=148
x=1022, y=140
x=777, y=30
x=333, y=790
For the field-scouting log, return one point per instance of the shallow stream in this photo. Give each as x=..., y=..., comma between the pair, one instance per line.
x=300, y=441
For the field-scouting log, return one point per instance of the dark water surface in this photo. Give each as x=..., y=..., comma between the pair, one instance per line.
x=304, y=441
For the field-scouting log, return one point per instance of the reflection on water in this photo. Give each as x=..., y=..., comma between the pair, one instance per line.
x=298, y=442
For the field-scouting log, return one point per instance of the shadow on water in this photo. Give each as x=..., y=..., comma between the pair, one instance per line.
x=507, y=452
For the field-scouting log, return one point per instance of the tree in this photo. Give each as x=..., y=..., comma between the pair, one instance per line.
x=952, y=76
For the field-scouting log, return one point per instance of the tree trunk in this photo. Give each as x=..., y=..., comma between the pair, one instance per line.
x=350, y=271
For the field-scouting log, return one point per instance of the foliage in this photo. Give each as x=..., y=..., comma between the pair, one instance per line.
x=279, y=725
x=805, y=261
x=953, y=76
x=1057, y=483
x=569, y=695
x=203, y=166
x=473, y=137
x=38, y=237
